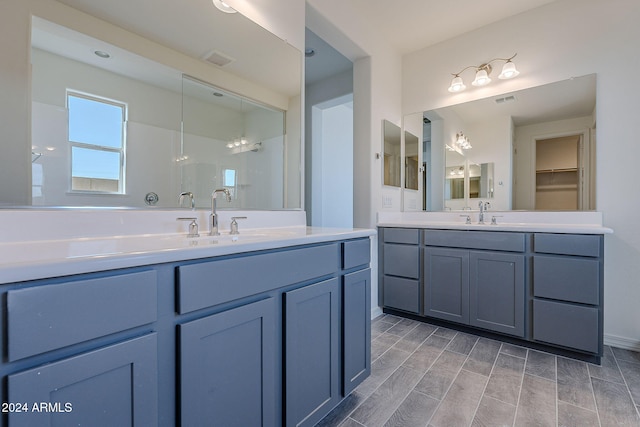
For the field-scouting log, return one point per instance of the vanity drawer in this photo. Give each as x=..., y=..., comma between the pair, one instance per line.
x=489, y=240
x=401, y=260
x=215, y=282
x=403, y=294
x=568, y=325
x=49, y=317
x=566, y=278
x=355, y=253
x=568, y=244
x=407, y=236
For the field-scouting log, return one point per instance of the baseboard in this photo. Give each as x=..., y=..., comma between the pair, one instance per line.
x=375, y=312
x=621, y=342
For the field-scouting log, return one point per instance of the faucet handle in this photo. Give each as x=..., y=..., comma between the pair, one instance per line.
x=493, y=219
x=234, y=224
x=193, y=227
x=468, y=221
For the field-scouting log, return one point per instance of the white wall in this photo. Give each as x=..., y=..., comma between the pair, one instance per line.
x=580, y=37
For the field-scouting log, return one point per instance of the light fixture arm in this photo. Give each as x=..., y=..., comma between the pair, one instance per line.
x=484, y=66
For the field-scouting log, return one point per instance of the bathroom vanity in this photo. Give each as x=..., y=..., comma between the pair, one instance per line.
x=535, y=283
x=270, y=327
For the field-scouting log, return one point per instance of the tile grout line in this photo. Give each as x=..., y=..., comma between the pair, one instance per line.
x=524, y=369
x=624, y=379
x=487, y=383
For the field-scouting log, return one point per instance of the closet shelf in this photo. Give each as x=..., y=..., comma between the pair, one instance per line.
x=559, y=187
x=557, y=170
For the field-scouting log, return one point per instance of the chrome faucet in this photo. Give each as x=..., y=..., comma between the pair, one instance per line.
x=213, y=217
x=188, y=194
x=484, y=206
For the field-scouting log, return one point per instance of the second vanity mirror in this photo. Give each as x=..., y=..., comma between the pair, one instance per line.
x=506, y=136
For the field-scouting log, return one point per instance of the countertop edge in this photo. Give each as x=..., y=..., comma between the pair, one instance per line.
x=531, y=228
x=50, y=268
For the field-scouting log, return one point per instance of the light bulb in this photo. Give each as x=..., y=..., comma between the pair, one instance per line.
x=509, y=71
x=482, y=78
x=457, y=85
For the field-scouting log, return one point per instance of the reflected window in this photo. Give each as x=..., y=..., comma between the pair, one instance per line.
x=229, y=181
x=97, y=139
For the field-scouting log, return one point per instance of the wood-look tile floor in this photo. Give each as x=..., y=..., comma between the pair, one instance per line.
x=428, y=376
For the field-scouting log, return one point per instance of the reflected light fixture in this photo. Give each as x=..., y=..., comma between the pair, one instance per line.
x=460, y=143
x=220, y=4
x=483, y=71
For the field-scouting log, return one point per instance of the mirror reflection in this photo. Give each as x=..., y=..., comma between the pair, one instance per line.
x=509, y=137
x=411, y=162
x=232, y=143
x=112, y=128
x=391, y=153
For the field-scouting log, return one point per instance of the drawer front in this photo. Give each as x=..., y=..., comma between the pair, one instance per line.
x=403, y=294
x=568, y=244
x=567, y=325
x=408, y=236
x=402, y=260
x=496, y=240
x=567, y=279
x=50, y=317
x=215, y=282
x=355, y=253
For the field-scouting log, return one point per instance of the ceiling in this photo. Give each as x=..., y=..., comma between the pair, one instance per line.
x=411, y=25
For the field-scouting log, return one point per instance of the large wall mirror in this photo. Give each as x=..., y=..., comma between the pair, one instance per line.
x=112, y=128
x=532, y=149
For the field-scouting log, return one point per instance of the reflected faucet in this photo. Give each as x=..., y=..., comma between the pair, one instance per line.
x=484, y=206
x=213, y=217
x=188, y=194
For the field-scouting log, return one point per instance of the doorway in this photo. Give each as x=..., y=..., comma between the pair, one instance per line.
x=561, y=173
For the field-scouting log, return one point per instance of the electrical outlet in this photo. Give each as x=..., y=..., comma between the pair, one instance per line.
x=387, y=202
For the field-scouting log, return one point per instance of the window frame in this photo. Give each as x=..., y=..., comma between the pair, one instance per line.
x=84, y=145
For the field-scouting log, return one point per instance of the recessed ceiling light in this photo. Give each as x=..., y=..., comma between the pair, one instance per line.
x=309, y=52
x=220, y=4
x=102, y=54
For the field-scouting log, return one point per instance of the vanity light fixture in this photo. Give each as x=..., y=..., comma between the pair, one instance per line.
x=460, y=143
x=220, y=4
x=483, y=71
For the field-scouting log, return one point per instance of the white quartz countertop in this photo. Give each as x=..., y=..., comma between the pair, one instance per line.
x=43, y=243
x=540, y=222
x=30, y=260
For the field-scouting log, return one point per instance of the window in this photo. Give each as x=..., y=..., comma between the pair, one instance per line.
x=229, y=181
x=97, y=139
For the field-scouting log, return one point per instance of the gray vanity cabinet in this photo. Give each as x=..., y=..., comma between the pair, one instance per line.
x=312, y=352
x=568, y=290
x=497, y=292
x=228, y=365
x=356, y=328
x=112, y=386
x=480, y=287
x=446, y=284
x=400, y=269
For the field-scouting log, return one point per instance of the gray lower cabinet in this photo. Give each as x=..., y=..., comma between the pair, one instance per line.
x=400, y=277
x=446, y=284
x=227, y=367
x=483, y=289
x=253, y=339
x=356, y=329
x=568, y=290
x=312, y=352
x=497, y=292
x=111, y=386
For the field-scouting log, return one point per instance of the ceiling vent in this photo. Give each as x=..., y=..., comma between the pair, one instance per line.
x=509, y=98
x=218, y=58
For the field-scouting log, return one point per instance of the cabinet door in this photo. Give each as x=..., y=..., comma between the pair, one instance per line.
x=356, y=338
x=112, y=386
x=227, y=367
x=446, y=284
x=497, y=294
x=312, y=353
